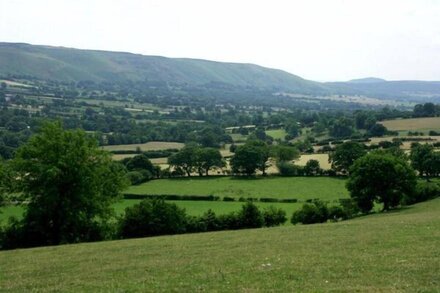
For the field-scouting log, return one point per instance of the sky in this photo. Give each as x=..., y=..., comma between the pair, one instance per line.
x=322, y=40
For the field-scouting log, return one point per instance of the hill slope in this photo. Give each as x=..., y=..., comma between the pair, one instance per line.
x=397, y=251
x=66, y=64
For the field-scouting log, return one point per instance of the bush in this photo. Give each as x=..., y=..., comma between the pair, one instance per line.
x=250, y=216
x=424, y=191
x=311, y=213
x=274, y=216
x=269, y=199
x=336, y=213
x=151, y=218
x=289, y=169
x=350, y=207
x=229, y=221
x=135, y=177
x=228, y=198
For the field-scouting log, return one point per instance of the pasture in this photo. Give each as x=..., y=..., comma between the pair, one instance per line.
x=301, y=188
x=277, y=133
x=149, y=146
x=321, y=158
x=389, y=252
x=193, y=208
x=413, y=124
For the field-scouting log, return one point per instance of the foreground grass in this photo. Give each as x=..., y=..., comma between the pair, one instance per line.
x=302, y=188
x=397, y=251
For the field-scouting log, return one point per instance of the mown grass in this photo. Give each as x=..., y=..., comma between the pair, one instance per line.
x=193, y=208
x=391, y=252
x=301, y=188
x=277, y=133
x=427, y=123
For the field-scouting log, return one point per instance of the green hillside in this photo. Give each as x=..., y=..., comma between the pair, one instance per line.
x=65, y=64
x=389, y=252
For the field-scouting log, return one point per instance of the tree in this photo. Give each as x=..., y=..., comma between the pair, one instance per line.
x=342, y=127
x=140, y=162
x=250, y=157
x=69, y=184
x=186, y=158
x=285, y=153
x=345, y=154
x=209, y=158
x=377, y=130
x=425, y=160
x=381, y=178
x=312, y=167
x=246, y=160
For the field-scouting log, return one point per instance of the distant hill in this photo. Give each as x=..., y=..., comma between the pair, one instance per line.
x=74, y=65
x=66, y=64
x=367, y=80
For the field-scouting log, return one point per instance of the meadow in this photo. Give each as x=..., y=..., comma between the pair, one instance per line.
x=149, y=146
x=301, y=188
x=192, y=207
x=389, y=252
x=413, y=124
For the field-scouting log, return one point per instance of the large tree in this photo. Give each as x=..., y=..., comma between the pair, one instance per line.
x=209, y=158
x=425, y=160
x=186, y=158
x=382, y=178
x=69, y=184
x=345, y=154
x=247, y=159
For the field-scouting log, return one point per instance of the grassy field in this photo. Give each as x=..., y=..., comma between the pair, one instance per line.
x=391, y=252
x=429, y=123
x=149, y=146
x=301, y=188
x=321, y=158
x=277, y=133
x=193, y=208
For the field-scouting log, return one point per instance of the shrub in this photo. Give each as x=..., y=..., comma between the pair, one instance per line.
x=350, y=207
x=250, y=216
x=228, y=221
x=424, y=191
x=228, y=198
x=211, y=221
x=311, y=213
x=195, y=224
x=274, y=216
x=336, y=213
x=289, y=169
x=268, y=199
x=151, y=218
x=135, y=177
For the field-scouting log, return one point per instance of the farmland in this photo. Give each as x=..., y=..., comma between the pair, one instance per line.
x=413, y=124
x=193, y=208
x=301, y=188
x=149, y=146
x=388, y=252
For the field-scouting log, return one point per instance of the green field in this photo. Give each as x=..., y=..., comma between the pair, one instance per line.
x=277, y=133
x=193, y=208
x=413, y=124
x=391, y=252
x=300, y=188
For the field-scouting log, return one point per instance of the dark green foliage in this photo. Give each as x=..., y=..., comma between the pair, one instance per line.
x=311, y=213
x=152, y=218
x=250, y=157
x=424, y=191
x=140, y=162
x=285, y=153
x=274, y=216
x=250, y=216
x=345, y=154
x=377, y=130
x=289, y=169
x=138, y=177
x=425, y=160
x=336, y=213
x=69, y=184
x=312, y=168
x=382, y=178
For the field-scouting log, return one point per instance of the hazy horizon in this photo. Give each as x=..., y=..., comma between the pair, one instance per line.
x=318, y=40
